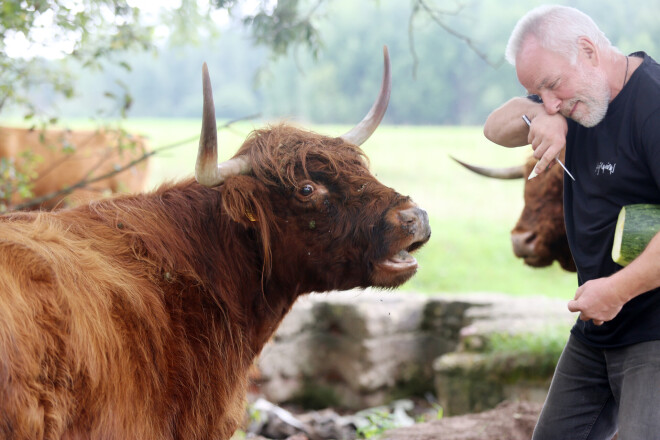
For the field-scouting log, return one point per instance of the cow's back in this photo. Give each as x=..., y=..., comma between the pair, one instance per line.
x=92, y=337
x=66, y=157
x=79, y=337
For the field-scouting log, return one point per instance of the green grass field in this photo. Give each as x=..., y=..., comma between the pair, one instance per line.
x=471, y=216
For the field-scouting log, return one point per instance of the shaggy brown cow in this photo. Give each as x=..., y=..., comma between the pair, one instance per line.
x=68, y=157
x=539, y=237
x=138, y=317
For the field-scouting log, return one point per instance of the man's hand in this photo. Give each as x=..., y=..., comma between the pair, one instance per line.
x=598, y=300
x=547, y=135
x=602, y=299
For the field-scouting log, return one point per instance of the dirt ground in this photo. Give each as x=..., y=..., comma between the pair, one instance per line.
x=508, y=421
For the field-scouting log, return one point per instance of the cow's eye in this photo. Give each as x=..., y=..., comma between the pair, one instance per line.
x=306, y=190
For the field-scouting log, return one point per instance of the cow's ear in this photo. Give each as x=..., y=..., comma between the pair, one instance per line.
x=244, y=200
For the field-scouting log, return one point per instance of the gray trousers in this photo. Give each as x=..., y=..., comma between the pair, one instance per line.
x=596, y=392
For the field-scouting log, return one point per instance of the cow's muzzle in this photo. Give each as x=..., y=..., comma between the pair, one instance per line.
x=414, y=230
x=415, y=222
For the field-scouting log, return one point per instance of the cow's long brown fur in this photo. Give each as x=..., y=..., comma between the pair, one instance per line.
x=139, y=316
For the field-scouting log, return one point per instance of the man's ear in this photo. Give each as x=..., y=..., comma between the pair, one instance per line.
x=245, y=201
x=588, y=50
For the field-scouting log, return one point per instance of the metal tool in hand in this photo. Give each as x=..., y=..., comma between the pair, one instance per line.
x=533, y=173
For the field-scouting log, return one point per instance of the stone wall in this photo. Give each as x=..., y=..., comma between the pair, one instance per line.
x=360, y=349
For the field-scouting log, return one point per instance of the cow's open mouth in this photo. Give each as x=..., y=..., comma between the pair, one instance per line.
x=400, y=262
x=536, y=261
x=395, y=269
x=398, y=265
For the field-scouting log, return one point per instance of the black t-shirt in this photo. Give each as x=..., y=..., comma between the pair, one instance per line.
x=615, y=163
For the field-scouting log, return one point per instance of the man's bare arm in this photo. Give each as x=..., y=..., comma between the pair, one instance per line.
x=546, y=134
x=505, y=126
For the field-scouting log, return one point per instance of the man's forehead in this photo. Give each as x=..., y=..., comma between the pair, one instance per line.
x=537, y=67
x=543, y=82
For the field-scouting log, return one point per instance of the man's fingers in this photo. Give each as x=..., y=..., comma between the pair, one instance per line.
x=544, y=164
x=573, y=306
x=540, y=167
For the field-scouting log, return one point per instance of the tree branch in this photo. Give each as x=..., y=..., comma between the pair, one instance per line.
x=88, y=181
x=436, y=17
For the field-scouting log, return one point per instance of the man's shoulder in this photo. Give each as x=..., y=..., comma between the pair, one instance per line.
x=649, y=70
x=645, y=91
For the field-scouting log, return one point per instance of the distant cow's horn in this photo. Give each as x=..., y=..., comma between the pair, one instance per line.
x=207, y=170
x=368, y=125
x=497, y=173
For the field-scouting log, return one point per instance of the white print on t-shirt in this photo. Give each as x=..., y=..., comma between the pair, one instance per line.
x=602, y=167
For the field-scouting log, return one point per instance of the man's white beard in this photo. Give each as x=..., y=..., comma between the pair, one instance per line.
x=596, y=100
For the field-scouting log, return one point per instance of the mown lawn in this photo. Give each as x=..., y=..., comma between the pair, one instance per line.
x=470, y=216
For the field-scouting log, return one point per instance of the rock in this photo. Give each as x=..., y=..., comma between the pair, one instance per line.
x=275, y=422
x=477, y=377
x=358, y=349
x=362, y=349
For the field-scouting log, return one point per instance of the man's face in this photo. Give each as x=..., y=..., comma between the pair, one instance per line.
x=578, y=91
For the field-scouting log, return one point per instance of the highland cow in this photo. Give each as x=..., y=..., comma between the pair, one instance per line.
x=138, y=316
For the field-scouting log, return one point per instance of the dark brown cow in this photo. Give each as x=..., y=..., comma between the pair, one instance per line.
x=539, y=237
x=68, y=157
x=138, y=317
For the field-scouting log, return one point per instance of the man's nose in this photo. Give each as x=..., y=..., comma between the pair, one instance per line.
x=551, y=103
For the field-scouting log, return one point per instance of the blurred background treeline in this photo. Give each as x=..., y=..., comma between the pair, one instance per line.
x=447, y=59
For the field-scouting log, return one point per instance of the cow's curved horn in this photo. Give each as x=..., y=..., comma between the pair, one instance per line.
x=516, y=172
x=361, y=132
x=207, y=170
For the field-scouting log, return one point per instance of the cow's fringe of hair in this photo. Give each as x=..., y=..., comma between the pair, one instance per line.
x=276, y=165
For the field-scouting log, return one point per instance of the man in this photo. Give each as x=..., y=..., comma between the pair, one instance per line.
x=604, y=108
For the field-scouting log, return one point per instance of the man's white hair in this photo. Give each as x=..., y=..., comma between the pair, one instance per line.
x=556, y=28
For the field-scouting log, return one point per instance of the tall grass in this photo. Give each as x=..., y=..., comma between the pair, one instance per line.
x=471, y=216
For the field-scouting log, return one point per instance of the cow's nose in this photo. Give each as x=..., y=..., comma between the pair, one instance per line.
x=415, y=221
x=523, y=243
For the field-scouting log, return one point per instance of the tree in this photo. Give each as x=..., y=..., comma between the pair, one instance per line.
x=95, y=35
x=90, y=32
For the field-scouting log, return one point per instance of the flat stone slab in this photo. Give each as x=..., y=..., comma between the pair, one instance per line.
x=362, y=348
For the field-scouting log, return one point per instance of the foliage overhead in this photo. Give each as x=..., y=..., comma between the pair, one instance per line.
x=70, y=36
x=89, y=32
x=95, y=34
